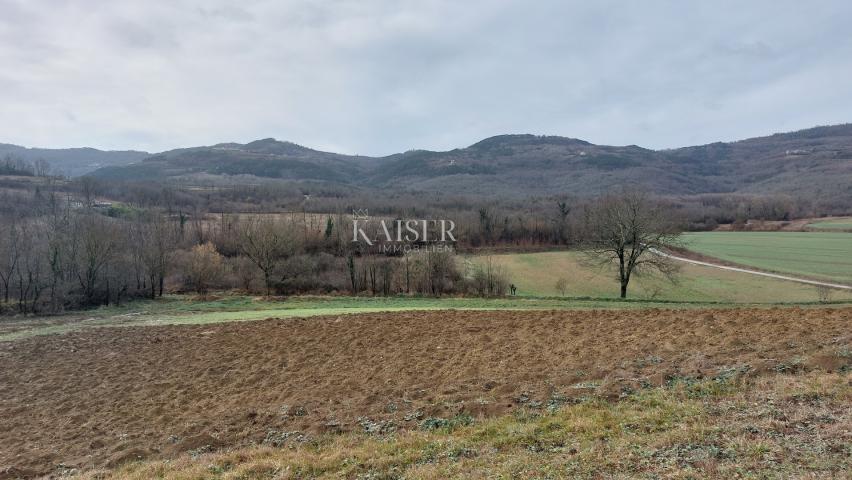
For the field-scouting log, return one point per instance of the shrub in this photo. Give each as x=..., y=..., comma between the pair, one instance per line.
x=204, y=266
x=562, y=286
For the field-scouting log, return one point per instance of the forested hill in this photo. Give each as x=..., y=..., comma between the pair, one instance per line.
x=71, y=162
x=816, y=162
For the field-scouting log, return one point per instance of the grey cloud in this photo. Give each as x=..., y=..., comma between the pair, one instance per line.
x=228, y=12
x=132, y=34
x=377, y=76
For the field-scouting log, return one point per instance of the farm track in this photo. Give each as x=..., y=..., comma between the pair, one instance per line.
x=752, y=272
x=105, y=396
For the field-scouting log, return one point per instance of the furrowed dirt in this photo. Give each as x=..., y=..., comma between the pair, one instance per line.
x=105, y=396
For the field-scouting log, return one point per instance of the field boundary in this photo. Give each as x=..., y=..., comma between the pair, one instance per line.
x=753, y=272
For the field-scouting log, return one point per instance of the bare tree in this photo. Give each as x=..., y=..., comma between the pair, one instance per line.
x=158, y=244
x=562, y=286
x=562, y=222
x=95, y=243
x=199, y=225
x=265, y=242
x=30, y=268
x=387, y=267
x=89, y=189
x=823, y=293
x=489, y=278
x=629, y=230
x=244, y=271
x=56, y=226
x=350, y=267
x=9, y=254
x=41, y=167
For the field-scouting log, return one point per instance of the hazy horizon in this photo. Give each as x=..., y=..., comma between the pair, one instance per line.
x=243, y=142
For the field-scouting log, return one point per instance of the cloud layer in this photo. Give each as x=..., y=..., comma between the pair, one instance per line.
x=376, y=77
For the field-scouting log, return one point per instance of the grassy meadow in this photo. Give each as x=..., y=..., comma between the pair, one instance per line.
x=536, y=274
x=833, y=224
x=820, y=255
x=187, y=309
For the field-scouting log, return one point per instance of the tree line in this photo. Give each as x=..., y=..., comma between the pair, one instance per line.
x=71, y=251
x=71, y=255
x=14, y=165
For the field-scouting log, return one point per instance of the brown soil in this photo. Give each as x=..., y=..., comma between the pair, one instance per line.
x=105, y=396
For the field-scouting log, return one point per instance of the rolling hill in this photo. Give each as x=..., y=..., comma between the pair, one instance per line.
x=816, y=163
x=266, y=158
x=73, y=162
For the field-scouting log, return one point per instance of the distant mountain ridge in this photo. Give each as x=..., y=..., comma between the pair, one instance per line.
x=815, y=162
x=73, y=162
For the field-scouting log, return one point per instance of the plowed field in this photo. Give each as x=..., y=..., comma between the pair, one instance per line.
x=104, y=396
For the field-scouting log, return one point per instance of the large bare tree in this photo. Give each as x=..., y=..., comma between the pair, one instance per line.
x=629, y=230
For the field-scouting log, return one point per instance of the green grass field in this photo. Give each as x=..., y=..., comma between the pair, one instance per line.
x=184, y=309
x=834, y=224
x=536, y=274
x=819, y=255
x=178, y=310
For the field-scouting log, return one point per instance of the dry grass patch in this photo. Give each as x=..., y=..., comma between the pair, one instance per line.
x=778, y=426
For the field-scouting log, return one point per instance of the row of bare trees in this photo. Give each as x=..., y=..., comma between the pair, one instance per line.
x=510, y=223
x=68, y=254
x=72, y=256
x=69, y=258
x=14, y=165
x=493, y=222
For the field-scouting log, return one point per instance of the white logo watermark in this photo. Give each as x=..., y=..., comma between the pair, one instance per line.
x=401, y=235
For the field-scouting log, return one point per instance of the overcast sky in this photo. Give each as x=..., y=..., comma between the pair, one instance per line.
x=376, y=77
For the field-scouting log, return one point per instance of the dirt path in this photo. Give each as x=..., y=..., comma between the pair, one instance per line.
x=110, y=395
x=752, y=272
